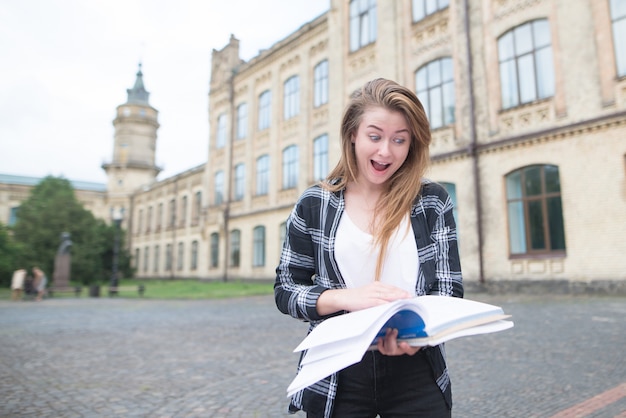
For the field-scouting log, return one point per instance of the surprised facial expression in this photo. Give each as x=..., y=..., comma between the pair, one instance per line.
x=381, y=145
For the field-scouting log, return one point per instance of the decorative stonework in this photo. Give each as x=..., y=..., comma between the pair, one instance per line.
x=525, y=118
x=290, y=128
x=361, y=62
x=290, y=64
x=431, y=32
x=442, y=140
x=263, y=78
x=320, y=116
x=504, y=8
x=261, y=142
x=318, y=48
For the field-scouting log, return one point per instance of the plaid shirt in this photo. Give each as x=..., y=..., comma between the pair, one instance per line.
x=308, y=267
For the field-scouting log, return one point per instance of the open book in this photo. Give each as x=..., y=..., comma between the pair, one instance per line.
x=341, y=341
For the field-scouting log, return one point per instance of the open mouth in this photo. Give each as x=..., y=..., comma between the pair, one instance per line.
x=379, y=166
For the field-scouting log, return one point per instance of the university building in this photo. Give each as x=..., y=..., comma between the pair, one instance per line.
x=527, y=105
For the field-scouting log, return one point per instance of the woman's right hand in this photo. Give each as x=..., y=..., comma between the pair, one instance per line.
x=354, y=299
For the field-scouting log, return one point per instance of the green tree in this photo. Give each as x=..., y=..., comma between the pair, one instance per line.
x=50, y=210
x=10, y=254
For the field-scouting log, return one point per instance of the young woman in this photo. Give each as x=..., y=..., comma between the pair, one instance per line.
x=374, y=231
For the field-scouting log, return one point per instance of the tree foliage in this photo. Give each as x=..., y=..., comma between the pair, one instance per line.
x=50, y=210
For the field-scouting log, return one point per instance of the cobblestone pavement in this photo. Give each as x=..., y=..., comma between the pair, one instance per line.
x=104, y=357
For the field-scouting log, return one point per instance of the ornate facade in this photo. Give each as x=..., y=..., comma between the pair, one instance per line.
x=527, y=104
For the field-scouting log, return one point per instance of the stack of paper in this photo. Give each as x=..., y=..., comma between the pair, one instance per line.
x=341, y=341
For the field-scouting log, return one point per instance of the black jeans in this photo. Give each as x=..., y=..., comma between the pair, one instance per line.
x=389, y=387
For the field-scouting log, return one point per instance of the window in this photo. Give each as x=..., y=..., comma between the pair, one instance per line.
x=240, y=181
x=264, y=110
x=197, y=207
x=618, y=19
x=156, y=259
x=291, y=99
x=235, y=247
x=215, y=249
x=435, y=88
x=282, y=233
x=219, y=187
x=242, y=120
x=146, y=259
x=362, y=23
x=451, y=189
x=137, y=259
x=172, y=212
x=194, y=255
x=183, y=211
x=526, y=66
x=535, y=211
x=13, y=215
x=320, y=84
x=320, y=157
x=220, y=133
x=290, y=167
x=168, y=257
x=149, y=220
x=423, y=8
x=262, y=175
x=159, y=217
x=180, y=258
x=140, y=221
x=258, y=247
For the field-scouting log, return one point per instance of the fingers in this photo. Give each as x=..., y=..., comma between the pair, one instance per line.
x=390, y=346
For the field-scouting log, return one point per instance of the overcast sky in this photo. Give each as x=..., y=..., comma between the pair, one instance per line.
x=65, y=66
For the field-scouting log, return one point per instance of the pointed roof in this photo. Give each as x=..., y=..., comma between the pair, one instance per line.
x=138, y=94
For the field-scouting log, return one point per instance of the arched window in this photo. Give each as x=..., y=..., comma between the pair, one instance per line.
x=242, y=120
x=240, y=182
x=363, y=23
x=215, y=250
x=264, y=110
x=526, y=64
x=219, y=188
x=262, y=175
x=320, y=84
x=220, y=134
x=320, y=157
x=180, y=261
x=290, y=167
x=423, y=8
x=194, y=255
x=434, y=83
x=534, y=210
x=258, y=246
x=291, y=98
x=235, y=247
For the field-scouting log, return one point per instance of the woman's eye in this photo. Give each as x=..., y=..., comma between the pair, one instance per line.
x=399, y=140
x=374, y=137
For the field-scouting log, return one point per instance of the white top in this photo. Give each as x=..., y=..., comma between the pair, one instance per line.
x=357, y=258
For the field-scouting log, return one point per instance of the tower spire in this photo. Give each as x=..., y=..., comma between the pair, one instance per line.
x=138, y=94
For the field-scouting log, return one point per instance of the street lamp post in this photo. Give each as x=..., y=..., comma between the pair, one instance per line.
x=117, y=222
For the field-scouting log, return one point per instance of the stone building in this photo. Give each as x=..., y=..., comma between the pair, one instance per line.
x=527, y=105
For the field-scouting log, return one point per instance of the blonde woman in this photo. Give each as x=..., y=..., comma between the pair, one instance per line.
x=373, y=232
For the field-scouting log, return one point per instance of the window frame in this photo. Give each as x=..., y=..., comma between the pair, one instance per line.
x=265, y=110
x=290, y=167
x=434, y=85
x=320, y=157
x=291, y=97
x=320, y=84
x=262, y=175
x=258, y=246
x=363, y=20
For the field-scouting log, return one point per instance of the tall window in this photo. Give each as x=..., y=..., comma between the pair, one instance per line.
x=156, y=259
x=265, y=102
x=159, y=219
x=140, y=222
x=183, y=211
x=258, y=246
x=149, y=220
x=242, y=120
x=423, y=8
x=240, y=181
x=220, y=133
x=215, y=249
x=290, y=167
x=535, y=211
x=194, y=255
x=362, y=23
x=262, y=175
x=146, y=259
x=13, y=215
x=435, y=88
x=172, y=212
x=526, y=65
x=618, y=18
x=451, y=189
x=320, y=157
x=168, y=257
x=219, y=187
x=181, y=255
x=291, y=98
x=235, y=248
x=197, y=208
x=320, y=84
x=137, y=259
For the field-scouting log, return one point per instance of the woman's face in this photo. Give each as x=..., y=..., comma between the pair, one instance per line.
x=381, y=144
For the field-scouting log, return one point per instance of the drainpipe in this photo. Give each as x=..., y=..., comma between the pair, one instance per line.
x=473, y=149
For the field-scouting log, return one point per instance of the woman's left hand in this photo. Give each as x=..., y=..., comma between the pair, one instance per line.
x=390, y=346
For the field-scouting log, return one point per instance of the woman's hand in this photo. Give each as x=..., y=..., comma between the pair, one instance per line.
x=390, y=346
x=355, y=299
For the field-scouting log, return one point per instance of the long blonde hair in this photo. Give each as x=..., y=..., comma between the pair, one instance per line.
x=405, y=185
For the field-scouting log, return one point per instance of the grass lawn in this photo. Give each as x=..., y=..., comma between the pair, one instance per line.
x=175, y=289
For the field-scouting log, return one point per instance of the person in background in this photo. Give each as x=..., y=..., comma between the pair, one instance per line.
x=39, y=282
x=374, y=231
x=17, y=284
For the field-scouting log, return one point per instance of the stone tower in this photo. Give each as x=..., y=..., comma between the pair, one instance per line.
x=133, y=164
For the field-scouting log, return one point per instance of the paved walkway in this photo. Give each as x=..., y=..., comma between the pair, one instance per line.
x=104, y=357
